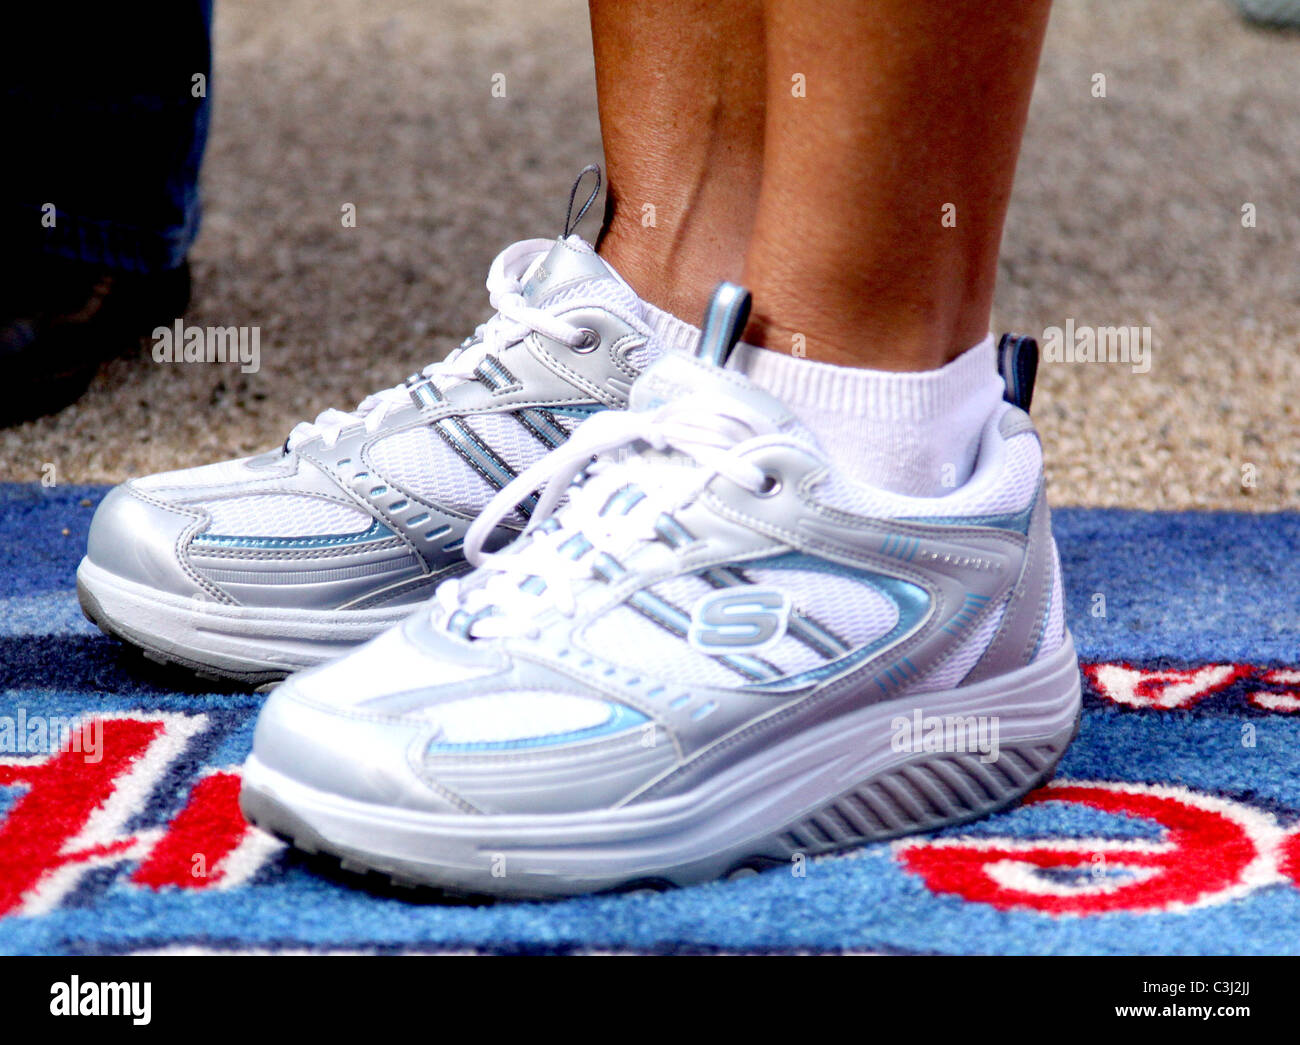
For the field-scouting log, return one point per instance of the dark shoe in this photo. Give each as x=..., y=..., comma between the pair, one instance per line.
x=59, y=320
x=1271, y=14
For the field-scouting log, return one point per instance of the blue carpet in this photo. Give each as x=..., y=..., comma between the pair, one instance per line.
x=1172, y=827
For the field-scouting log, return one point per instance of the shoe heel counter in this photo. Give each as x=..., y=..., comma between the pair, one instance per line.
x=1032, y=622
x=1053, y=635
x=1053, y=632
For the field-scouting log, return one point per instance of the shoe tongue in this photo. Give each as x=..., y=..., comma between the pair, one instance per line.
x=570, y=265
x=675, y=376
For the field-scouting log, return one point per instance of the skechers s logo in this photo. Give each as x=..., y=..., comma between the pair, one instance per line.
x=738, y=620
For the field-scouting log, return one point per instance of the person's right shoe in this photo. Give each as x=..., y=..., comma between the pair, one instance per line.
x=252, y=569
x=717, y=652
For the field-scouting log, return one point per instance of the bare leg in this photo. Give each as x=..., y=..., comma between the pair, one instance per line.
x=910, y=105
x=681, y=92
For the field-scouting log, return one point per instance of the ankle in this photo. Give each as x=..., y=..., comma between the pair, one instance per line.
x=675, y=254
x=834, y=311
x=890, y=342
x=641, y=257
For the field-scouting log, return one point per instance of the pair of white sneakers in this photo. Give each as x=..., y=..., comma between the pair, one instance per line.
x=580, y=607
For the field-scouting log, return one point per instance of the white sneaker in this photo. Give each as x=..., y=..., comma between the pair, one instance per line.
x=717, y=652
x=255, y=568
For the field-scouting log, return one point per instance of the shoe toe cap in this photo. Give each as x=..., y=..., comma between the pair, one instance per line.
x=138, y=538
x=347, y=752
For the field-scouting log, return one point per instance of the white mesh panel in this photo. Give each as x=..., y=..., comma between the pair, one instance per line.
x=283, y=515
x=419, y=462
x=791, y=655
x=853, y=611
x=503, y=717
x=641, y=645
x=507, y=437
x=683, y=591
x=958, y=663
x=1010, y=488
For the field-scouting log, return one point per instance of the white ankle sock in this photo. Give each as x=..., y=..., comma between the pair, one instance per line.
x=913, y=433
x=670, y=333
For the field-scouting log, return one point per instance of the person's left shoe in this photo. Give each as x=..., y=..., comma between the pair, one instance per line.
x=717, y=653
x=249, y=570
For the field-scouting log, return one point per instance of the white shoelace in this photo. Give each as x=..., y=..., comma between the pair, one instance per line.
x=514, y=320
x=694, y=442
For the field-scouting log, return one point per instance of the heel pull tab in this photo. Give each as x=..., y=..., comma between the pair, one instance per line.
x=724, y=323
x=570, y=221
x=1018, y=365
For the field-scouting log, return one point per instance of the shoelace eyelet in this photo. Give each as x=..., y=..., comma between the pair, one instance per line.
x=590, y=341
x=771, y=485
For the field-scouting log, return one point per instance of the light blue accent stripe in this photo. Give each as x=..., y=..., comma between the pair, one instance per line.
x=458, y=623
x=621, y=718
x=576, y=547
x=540, y=424
x=425, y=394
x=494, y=374
x=660, y=612
x=624, y=501
x=608, y=568
x=672, y=531
x=497, y=472
x=970, y=608
x=378, y=531
x=723, y=323
x=900, y=547
x=461, y=621
x=578, y=410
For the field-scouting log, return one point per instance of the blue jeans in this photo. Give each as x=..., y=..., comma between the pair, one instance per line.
x=103, y=117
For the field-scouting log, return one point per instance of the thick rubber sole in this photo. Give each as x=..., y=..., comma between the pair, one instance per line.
x=843, y=784
x=243, y=644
